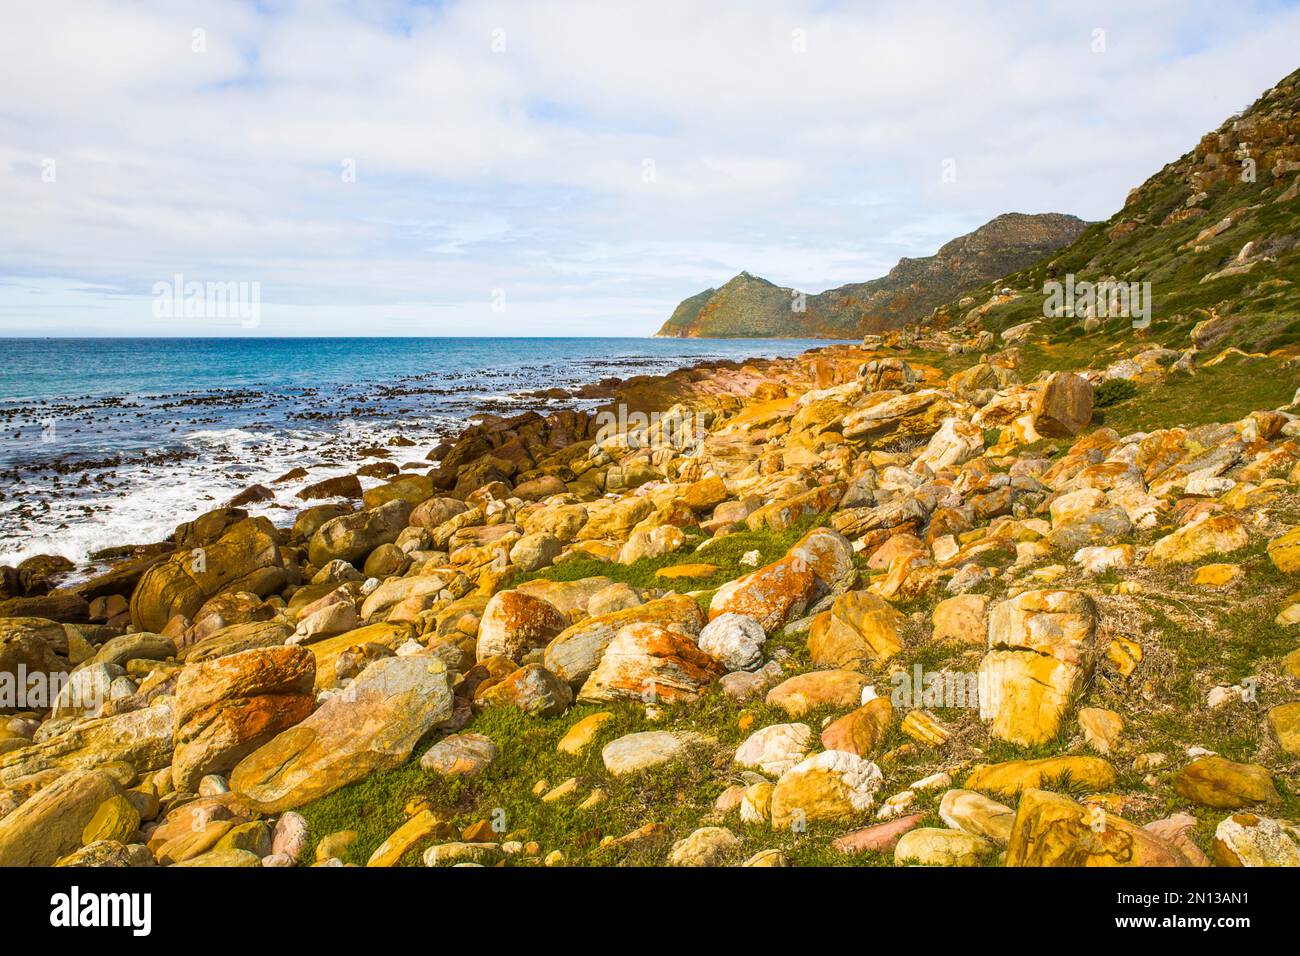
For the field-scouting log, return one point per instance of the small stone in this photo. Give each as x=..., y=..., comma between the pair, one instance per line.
x=707, y=846
x=923, y=727
x=1101, y=728
x=878, y=838
x=579, y=737
x=640, y=751
x=561, y=790
x=975, y=813
x=1245, y=839
x=932, y=846
x=775, y=749
x=460, y=755
x=1216, y=782
x=420, y=827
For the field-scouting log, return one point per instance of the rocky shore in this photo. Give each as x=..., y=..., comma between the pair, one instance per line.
x=917, y=601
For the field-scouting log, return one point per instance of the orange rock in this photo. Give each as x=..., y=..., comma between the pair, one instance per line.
x=861, y=731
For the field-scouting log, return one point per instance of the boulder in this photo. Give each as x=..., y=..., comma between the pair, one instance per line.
x=371, y=726
x=1064, y=406
x=1246, y=839
x=513, y=623
x=532, y=688
x=460, y=755
x=734, y=640
x=804, y=692
x=650, y=663
x=773, y=595
x=1050, y=829
x=934, y=846
x=1042, y=651
x=775, y=749
x=707, y=846
x=833, y=786
x=861, y=731
x=1212, y=535
x=228, y=707
x=1013, y=776
x=859, y=627
x=49, y=825
x=184, y=582
x=575, y=651
x=1217, y=782
x=632, y=753
x=352, y=536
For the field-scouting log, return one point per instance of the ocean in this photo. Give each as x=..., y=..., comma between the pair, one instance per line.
x=113, y=441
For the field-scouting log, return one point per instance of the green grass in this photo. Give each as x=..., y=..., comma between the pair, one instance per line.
x=725, y=554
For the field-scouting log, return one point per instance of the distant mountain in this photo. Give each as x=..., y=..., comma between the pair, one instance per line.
x=1214, y=237
x=749, y=306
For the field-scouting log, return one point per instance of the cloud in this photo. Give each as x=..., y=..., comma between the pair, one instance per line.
x=384, y=167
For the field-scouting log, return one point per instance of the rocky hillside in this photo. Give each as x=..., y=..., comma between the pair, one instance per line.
x=1216, y=234
x=749, y=306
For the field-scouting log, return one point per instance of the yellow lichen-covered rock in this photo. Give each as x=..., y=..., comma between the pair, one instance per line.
x=186, y=580
x=962, y=619
x=1064, y=406
x=1284, y=721
x=1247, y=839
x=861, y=731
x=423, y=826
x=1041, y=651
x=832, y=786
x=1217, y=534
x=1050, y=829
x=935, y=846
x=574, y=653
x=1026, y=695
x=858, y=627
x=1216, y=575
x=580, y=736
x=1013, y=776
x=1101, y=728
x=1217, y=782
x=650, y=663
x=116, y=819
x=1284, y=551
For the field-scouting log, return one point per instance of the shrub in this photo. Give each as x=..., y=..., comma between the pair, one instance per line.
x=1112, y=392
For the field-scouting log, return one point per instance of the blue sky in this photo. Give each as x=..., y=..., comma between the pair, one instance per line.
x=565, y=168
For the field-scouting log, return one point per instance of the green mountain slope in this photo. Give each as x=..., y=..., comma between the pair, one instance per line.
x=1216, y=234
x=749, y=306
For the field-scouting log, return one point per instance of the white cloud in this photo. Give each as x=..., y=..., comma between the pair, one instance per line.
x=526, y=169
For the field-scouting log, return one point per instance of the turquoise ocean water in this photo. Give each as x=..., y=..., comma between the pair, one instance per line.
x=116, y=440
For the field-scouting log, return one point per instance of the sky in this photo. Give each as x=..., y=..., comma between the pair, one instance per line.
x=563, y=168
